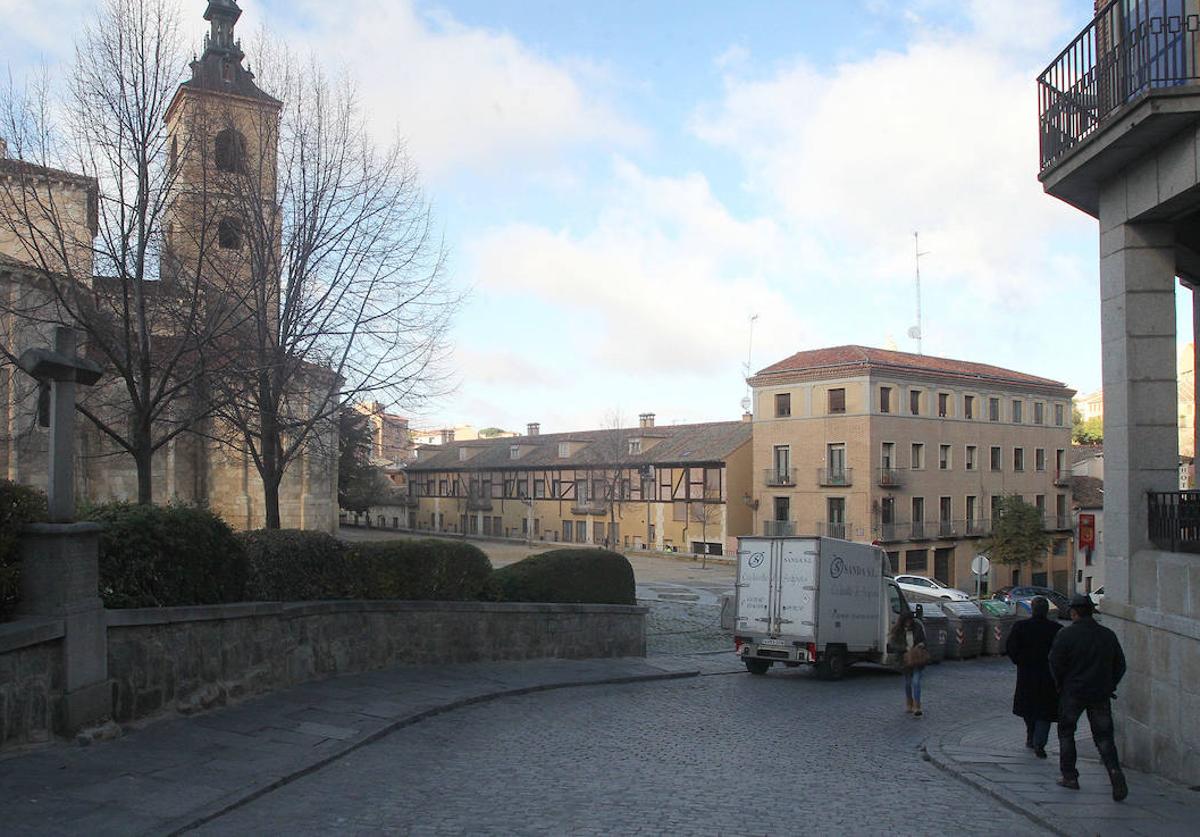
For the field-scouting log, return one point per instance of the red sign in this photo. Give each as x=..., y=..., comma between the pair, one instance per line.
x=1087, y=531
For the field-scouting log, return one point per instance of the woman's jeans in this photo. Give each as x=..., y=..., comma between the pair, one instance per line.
x=912, y=684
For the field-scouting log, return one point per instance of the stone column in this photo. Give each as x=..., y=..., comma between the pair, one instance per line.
x=1141, y=438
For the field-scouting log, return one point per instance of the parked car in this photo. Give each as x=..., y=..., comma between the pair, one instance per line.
x=1098, y=595
x=1026, y=592
x=929, y=587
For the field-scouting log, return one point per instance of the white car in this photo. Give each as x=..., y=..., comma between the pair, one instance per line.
x=929, y=587
x=1097, y=595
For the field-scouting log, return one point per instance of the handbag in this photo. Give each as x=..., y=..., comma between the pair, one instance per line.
x=916, y=657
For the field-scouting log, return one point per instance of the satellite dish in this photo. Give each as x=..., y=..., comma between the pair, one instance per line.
x=746, y=404
x=915, y=332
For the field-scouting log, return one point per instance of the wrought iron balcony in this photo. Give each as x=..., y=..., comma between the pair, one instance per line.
x=920, y=531
x=948, y=528
x=841, y=530
x=835, y=477
x=976, y=528
x=889, y=477
x=777, y=477
x=1062, y=477
x=1059, y=523
x=1175, y=520
x=779, y=528
x=1130, y=47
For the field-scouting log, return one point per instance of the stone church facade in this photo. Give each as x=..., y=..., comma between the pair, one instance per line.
x=214, y=126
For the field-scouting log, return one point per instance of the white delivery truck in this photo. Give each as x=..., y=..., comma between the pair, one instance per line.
x=821, y=601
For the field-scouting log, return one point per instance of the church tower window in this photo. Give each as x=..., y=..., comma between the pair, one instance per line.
x=230, y=150
x=229, y=234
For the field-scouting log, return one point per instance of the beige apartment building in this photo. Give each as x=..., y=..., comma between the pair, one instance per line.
x=912, y=452
x=681, y=487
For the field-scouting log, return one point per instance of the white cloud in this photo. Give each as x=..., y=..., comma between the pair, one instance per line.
x=662, y=284
x=462, y=96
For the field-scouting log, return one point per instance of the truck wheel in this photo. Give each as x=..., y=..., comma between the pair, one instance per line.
x=833, y=666
x=755, y=666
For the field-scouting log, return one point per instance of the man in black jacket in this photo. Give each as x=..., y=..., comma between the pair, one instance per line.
x=1087, y=663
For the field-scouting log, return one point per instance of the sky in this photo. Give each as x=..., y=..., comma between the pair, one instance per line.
x=623, y=186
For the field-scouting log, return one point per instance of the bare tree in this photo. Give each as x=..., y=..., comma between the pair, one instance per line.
x=615, y=453
x=349, y=299
x=94, y=244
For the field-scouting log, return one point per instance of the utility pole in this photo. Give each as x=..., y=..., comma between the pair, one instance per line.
x=915, y=331
x=746, y=401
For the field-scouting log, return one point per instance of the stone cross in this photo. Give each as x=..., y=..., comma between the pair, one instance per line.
x=60, y=369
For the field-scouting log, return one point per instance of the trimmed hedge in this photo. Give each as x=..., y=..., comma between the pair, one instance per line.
x=572, y=576
x=288, y=565
x=420, y=570
x=166, y=556
x=19, y=504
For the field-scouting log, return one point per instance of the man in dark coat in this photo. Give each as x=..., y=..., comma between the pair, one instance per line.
x=1036, y=697
x=1087, y=663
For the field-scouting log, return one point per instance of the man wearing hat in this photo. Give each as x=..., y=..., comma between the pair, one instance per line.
x=1087, y=664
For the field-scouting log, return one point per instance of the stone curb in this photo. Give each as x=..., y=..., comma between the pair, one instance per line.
x=236, y=799
x=932, y=750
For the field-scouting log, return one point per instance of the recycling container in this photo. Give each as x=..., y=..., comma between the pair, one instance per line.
x=964, y=630
x=998, y=617
x=935, y=623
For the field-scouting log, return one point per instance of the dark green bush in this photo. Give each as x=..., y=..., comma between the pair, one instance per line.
x=420, y=570
x=19, y=504
x=289, y=565
x=165, y=556
x=587, y=576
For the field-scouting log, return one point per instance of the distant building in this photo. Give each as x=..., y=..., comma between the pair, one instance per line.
x=913, y=452
x=391, y=447
x=458, y=433
x=1087, y=503
x=682, y=487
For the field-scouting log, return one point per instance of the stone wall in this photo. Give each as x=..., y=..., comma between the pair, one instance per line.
x=190, y=658
x=31, y=681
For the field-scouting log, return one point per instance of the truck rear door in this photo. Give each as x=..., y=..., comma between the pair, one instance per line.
x=754, y=594
x=797, y=590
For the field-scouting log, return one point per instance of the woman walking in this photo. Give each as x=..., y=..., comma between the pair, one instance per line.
x=909, y=636
x=1035, y=698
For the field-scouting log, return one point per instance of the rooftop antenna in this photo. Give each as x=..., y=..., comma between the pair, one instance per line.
x=746, y=402
x=915, y=331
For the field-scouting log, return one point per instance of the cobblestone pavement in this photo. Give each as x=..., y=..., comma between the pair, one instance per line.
x=782, y=754
x=684, y=628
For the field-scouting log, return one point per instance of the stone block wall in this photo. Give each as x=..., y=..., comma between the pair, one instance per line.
x=31, y=681
x=183, y=659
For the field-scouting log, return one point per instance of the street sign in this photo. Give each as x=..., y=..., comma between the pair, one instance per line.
x=980, y=565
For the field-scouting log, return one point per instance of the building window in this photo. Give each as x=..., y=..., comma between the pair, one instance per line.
x=837, y=400
x=996, y=462
x=462, y=454
x=568, y=531
x=887, y=458
x=1017, y=406
x=514, y=451
x=918, y=514
x=943, y=404
x=993, y=409
x=1039, y=412
x=943, y=457
x=1039, y=503
x=635, y=447
x=539, y=489
x=916, y=561
x=918, y=456
x=885, y=399
x=996, y=499
x=1018, y=459
x=894, y=562
x=971, y=510
x=914, y=402
x=969, y=464
x=1058, y=415
x=783, y=404
x=229, y=234
x=229, y=149
x=1039, y=459
x=969, y=406
x=564, y=450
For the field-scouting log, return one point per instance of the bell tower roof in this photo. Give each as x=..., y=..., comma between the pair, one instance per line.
x=219, y=69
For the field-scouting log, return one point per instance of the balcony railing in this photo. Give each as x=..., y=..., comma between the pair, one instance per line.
x=948, y=528
x=779, y=528
x=1175, y=520
x=1129, y=48
x=976, y=528
x=888, y=477
x=836, y=477
x=1059, y=523
x=931, y=530
x=841, y=530
x=589, y=507
x=1062, y=477
x=775, y=477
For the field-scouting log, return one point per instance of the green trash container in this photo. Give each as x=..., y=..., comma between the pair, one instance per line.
x=998, y=617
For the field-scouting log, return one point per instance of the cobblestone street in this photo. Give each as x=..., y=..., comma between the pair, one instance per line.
x=785, y=753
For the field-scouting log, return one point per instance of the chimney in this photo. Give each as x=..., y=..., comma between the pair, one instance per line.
x=533, y=429
x=646, y=420
x=747, y=416
x=447, y=436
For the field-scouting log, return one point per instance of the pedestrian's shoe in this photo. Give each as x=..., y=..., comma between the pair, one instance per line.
x=916, y=709
x=1119, y=787
x=1066, y=782
x=1040, y=752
